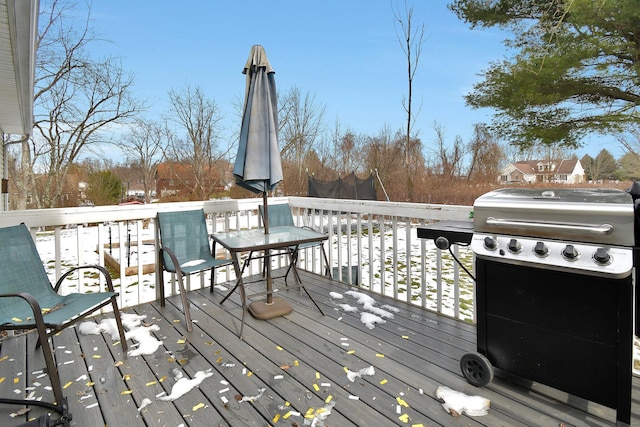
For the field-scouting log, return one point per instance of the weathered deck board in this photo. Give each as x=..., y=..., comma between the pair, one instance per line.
x=327, y=356
x=299, y=360
x=433, y=342
x=105, y=382
x=529, y=409
x=539, y=403
x=261, y=357
x=199, y=354
x=13, y=366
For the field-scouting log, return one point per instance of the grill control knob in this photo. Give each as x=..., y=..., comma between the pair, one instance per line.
x=514, y=246
x=570, y=253
x=601, y=256
x=490, y=243
x=541, y=249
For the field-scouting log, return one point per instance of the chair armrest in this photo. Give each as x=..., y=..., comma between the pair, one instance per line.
x=100, y=268
x=174, y=260
x=35, y=305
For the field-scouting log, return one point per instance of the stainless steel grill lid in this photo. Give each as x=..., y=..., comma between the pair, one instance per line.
x=600, y=216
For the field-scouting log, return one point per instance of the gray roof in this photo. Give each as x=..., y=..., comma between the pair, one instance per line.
x=530, y=167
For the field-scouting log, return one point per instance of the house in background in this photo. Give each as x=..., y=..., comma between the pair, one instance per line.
x=568, y=171
x=18, y=33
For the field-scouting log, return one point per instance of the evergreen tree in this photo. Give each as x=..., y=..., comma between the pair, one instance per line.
x=575, y=68
x=104, y=188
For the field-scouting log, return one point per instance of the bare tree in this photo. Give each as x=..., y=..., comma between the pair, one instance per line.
x=343, y=152
x=301, y=121
x=144, y=146
x=630, y=142
x=487, y=156
x=449, y=160
x=198, y=158
x=382, y=153
x=410, y=40
x=76, y=98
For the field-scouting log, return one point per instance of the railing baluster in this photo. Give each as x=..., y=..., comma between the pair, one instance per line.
x=441, y=284
x=439, y=281
x=456, y=283
x=140, y=262
x=394, y=230
x=359, y=249
x=348, y=247
x=383, y=255
x=122, y=239
x=423, y=270
x=370, y=237
x=407, y=247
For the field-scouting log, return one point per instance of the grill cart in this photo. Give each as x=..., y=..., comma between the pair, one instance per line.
x=554, y=290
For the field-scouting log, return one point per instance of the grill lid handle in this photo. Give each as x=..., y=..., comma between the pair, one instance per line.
x=564, y=226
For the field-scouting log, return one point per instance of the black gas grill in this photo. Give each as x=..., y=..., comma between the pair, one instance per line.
x=554, y=289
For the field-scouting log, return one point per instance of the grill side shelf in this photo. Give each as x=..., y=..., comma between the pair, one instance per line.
x=459, y=232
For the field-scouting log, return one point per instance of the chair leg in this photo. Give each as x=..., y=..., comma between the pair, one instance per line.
x=161, y=285
x=116, y=314
x=185, y=303
x=243, y=298
x=52, y=369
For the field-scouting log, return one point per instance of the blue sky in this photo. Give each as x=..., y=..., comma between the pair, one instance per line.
x=343, y=52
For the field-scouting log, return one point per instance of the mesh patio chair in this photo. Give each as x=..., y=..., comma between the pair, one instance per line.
x=29, y=301
x=185, y=249
x=280, y=215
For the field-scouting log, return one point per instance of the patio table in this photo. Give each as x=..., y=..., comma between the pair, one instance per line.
x=260, y=245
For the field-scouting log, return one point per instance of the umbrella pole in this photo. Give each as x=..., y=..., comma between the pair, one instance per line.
x=267, y=257
x=269, y=280
x=270, y=307
x=266, y=212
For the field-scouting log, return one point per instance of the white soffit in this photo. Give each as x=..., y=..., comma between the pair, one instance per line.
x=18, y=32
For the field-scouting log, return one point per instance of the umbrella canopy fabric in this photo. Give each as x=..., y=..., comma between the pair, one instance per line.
x=258, y=165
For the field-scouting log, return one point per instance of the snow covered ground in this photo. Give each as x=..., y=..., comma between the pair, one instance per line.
x=81, y=249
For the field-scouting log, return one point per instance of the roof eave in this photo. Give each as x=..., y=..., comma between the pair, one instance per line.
x=18, y=35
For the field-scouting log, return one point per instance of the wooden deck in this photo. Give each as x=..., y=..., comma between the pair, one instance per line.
x=299, y=360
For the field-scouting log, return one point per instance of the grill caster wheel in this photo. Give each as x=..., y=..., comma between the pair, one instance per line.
x=477, y=369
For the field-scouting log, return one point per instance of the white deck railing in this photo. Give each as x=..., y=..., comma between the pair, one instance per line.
x=371, y=244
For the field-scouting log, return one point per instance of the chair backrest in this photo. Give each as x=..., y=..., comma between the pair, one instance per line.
x=185, y=233
x=279, y=214
x=21, y=269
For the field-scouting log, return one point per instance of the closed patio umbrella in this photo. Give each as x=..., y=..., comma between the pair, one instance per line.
x=258, y=165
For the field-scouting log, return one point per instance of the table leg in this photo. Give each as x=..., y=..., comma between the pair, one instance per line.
x=236, y=267
x=239, y=283
x=300, y=285
x=293, y=255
